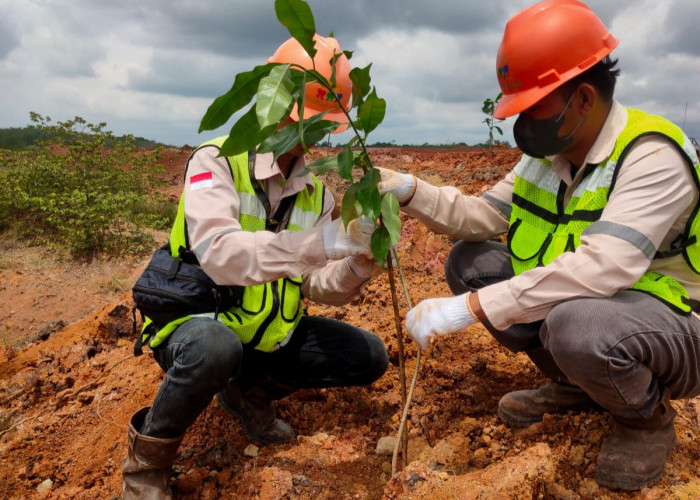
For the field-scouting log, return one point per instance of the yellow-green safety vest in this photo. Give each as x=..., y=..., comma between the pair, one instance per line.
x=269, y=312
x=541, y=228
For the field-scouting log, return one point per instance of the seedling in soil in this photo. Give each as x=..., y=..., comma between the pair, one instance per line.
x=488, y=108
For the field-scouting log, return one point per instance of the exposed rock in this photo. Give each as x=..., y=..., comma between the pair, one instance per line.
x=386, y=445
x=522, y=476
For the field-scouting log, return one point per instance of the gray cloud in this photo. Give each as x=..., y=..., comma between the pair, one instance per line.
x=679, y=32
x=366, y=16
x=185, y=74
x=8, y=36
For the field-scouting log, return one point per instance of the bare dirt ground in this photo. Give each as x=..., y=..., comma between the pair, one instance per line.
x=69, y=383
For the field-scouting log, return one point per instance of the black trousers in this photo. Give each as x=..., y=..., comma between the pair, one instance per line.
x=201, y=355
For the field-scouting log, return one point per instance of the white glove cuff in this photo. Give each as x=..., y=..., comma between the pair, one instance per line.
x=458, y=313
x=362, y=267
x=404, y=191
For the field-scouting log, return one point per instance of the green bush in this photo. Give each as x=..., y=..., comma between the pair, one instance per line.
x=83, y=191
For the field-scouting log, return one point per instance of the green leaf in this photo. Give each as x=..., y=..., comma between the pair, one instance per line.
x=297, y=17
x=244, y=88
x=390, y=217
x=317, y=130
x=368, y=194
x=245, y=135
x=301, y=100
x=281, y=141
x=318, y=77
x=371, y=112
x=334, y=59
x=360, y=83
x=345, y=162
x=379, y=243
x=349, y=206
x=362, y=161
x=323, y=165
x=284, y=139
x=274, y=97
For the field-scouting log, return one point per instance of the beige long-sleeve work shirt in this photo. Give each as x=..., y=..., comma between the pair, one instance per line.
x=231, y=256
x=654, y=196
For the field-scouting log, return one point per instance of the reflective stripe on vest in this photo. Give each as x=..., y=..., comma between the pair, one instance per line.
x=269, y=312
x=542, y=228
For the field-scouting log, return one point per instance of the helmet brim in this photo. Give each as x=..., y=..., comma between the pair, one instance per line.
x=513, y=104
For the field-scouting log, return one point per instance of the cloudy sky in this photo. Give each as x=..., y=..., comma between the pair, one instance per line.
x=152, y=67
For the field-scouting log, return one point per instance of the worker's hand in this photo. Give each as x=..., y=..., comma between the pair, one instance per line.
x=363, y=266
x=438, y=317
x=402, y=185
x=339, y=243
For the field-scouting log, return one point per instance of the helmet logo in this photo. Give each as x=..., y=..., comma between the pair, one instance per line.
x=504, y=76
x=322, y=94
x=502, y=67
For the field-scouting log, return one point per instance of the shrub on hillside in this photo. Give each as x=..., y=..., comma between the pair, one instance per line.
x=83, y=191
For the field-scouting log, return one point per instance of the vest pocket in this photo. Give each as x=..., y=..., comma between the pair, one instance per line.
x=527, y=242
x=254, y=299
x=560, y=242
x=290, y=299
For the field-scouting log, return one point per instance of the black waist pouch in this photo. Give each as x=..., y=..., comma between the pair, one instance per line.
x=172, y=287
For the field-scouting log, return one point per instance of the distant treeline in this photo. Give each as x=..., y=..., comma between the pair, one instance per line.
x=18, y=138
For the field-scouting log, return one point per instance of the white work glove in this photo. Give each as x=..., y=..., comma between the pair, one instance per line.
x=339, y=243
x=437, y=317
x=363, y=266
x=402, y=185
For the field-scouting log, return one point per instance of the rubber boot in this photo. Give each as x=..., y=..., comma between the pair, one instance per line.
x=634, y=455
x=523, y=408
x=255, y=409
x=148, y=464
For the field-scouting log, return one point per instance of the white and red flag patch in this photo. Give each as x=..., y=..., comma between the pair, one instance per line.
x=201, y=181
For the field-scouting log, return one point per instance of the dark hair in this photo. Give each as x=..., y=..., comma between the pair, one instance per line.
x=602, y=76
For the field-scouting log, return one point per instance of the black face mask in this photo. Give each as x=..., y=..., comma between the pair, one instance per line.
x=540, y=138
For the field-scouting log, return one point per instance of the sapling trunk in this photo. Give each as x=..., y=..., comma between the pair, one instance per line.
x=399, y=338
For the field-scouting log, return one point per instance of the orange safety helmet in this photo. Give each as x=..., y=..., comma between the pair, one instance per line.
x=291, y=52
x=544, y=46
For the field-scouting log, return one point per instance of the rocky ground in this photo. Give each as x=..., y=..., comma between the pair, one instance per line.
x=69, y=383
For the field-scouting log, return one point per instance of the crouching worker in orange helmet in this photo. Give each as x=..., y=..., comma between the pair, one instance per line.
x=598, y=282
x=264, y=347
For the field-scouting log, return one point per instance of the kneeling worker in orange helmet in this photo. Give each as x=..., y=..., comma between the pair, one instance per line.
x=598, y=282
x=264, y=347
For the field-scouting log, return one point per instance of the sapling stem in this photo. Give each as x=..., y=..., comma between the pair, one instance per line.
x=399, y=337
x=409, y=396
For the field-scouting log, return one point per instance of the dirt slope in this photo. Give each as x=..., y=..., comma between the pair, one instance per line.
x=69, y=383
